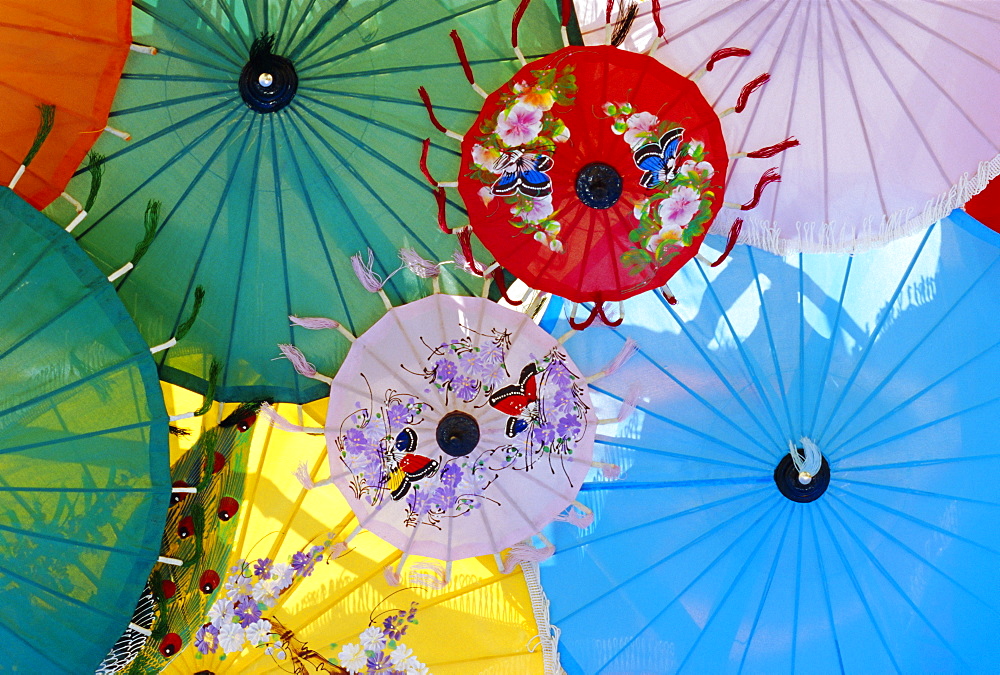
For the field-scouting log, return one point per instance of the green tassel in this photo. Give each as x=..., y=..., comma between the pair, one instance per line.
x=199, y=297
x=96, y=169
x=213, y=380
x=48, y=117
x=152, y=221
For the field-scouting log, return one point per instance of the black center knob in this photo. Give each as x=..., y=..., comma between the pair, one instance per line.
x=268, y=82
x=598, y=185
x=458, y=434
x=786, y=477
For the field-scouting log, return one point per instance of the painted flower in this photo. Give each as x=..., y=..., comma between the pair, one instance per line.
x=541, y=208
x=639, y=126
x=465, y=387
x=417, y=668
x=520, y=124
x=543, y=434
x=352, y=657
x=356, y=442
x=568, y=426
x=484, y=156
x=668, y=235
x=539, y=98
x=258, y=631
x=679, y=208
x=231, y=637
x=379, y=663
x=399, y=654
x=445, y=370
x=689, y=167
x=283, y=575
x=561, y=134
x=248, y=611
x=205, y=639
x=221, y=611
x=238, y=585
x=640, y=208
x=486, y=194
x=372, y=639
x=399, y=415
x=276, y=649
x=266, y=592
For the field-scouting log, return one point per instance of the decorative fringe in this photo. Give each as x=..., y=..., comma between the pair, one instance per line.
x=734, y=234
x=628, y=404
x=749, y=88
x=431, y=576
x=468, y=260
x=628, y=349
x=769, y=176
x=657, y=20
x=366, y=275
x=725, y=53
x=576, y=516
x=611, y=471
x=501, y=282
x=48, y=113
x=301, y=471
x=548, y=635
x=626, y=17
x=425, y=97
x=772, y=150
x=463, y=59
x=392, y=576
x=518, y=13
x=299, y=362
x=213, y=381
x=422, y=267
x=96, y=168
x=314, y=322
x=151, y=221
x=199, y=298
x=526, y=552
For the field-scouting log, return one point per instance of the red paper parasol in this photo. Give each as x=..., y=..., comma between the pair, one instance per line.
x=594, y=173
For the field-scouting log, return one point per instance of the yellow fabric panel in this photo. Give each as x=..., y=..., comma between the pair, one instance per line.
x=481, y=622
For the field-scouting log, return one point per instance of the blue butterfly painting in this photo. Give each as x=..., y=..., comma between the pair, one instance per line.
x=659, y=160
x=522, y=172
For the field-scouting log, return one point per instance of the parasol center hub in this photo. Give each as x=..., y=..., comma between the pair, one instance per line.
x=801, y=486
x=458, y=433
x=599, y=185
x=268, y=82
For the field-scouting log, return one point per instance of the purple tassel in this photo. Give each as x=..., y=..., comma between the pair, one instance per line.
x=372, y=282
x=611, y=471
x=298, y=359
x=302, y=473
x=422, y=267
x=525, y=552
x=582, y=519
x=392, y=576
x=628, y=403
x=628, y=349
x=313, y=322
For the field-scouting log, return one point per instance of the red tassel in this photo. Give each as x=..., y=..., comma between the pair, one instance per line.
x=734, y=233
x=770, y=176
x=442, y=219
x=607, y=12
x=657, y=20
x=752, y=85
x=460, y=48
x=772, y=150
x=430, y=110
x=502, y=286
x=669, y=297
x=423, y=163
x=518, y=13
x=465, y=241
x=597, y=311
x=567, y=9
x=725, y=53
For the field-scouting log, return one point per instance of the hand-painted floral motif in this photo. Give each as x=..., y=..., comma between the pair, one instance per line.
x=675, y=168
x=384, y=450
x=379, y=648
x=515, y=149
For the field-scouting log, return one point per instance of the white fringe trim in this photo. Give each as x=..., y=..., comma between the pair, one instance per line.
x=548, y=635
x=834, y=238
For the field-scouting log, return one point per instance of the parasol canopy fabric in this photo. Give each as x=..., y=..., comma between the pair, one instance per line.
x=712, y=555
x=886, y=98
x=594, y=173
x=458, y=428
x=84, y=480
x=481, y=622
x=68, y=55
x=281, y=138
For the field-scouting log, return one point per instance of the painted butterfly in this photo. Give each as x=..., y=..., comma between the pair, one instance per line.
x=522, y=172
x=514, y=398
x=410, y=467
x=659, y=160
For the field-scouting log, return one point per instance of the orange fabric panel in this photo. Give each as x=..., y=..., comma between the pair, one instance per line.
x=69, y=54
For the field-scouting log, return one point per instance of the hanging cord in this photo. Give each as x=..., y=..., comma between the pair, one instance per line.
x=809, y=462
x=48, y=115
x=439, y=194
x=597, y=311
x=518, y=13
x=464, y=60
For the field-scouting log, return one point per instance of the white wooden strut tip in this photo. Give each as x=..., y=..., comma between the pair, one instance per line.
x=124, y=135
x=143, y=49
x=120, y=271
x=17, y=176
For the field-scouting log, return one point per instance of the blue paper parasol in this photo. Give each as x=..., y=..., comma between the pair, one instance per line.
x=709, y=555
